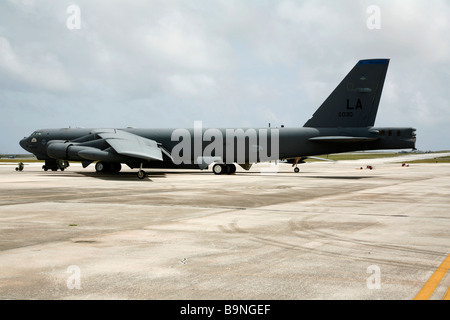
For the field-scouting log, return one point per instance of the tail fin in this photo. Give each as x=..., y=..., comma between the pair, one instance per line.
x=354, y=103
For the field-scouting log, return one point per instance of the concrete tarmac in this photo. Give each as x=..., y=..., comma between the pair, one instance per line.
x=332, y=231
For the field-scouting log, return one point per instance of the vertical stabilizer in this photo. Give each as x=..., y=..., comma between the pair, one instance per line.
x=354, y=102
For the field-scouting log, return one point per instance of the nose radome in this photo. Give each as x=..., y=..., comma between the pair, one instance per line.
x=23, y=143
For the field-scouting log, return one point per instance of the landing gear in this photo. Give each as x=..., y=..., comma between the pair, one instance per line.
x=296, y=162
x=224, y=168
x=141, y=173
x=54, y=165
x=218, y=168
x=108, y=167
x=116, y=167
x=100, y=167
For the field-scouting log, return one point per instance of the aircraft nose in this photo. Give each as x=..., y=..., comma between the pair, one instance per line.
x=23, y=143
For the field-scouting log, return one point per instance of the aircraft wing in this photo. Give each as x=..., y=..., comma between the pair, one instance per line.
x=341, y=139
x=131, y=145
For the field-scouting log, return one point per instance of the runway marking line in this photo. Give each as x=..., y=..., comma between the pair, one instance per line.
x=447, y=294
x=429, y=287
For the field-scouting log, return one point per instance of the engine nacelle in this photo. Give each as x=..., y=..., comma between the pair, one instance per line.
x=58, y=149
x=66, y=150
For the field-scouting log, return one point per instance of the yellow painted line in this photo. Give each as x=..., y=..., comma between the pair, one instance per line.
x=432, y=283
x=447, y=294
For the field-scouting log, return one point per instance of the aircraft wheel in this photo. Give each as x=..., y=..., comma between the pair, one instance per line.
x=116, y=167
x=218, y=168
x=141, y=174
x=100, y=167
x=296, y=170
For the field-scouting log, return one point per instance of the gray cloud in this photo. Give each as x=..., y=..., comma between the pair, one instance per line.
x=225, y=62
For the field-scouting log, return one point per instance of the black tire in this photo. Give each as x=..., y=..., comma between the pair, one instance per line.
x=100, y=167
x=218, y=168
x=232, y=168
x=296, y=170
x=141, y=174
x=116, y=167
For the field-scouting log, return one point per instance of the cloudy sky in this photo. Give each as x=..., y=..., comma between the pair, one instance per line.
x=228, y=63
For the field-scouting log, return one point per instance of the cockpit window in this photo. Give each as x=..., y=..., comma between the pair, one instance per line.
x=36, y=133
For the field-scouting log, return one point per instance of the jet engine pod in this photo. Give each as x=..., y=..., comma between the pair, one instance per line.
x=66, y=151
x=58, y=149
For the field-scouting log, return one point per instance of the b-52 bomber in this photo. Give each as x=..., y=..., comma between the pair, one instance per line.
x=343, y=123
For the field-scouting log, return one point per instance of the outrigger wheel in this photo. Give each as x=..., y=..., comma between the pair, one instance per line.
x=141, y=173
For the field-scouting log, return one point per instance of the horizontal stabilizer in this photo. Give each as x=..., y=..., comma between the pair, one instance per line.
x=341, y=139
